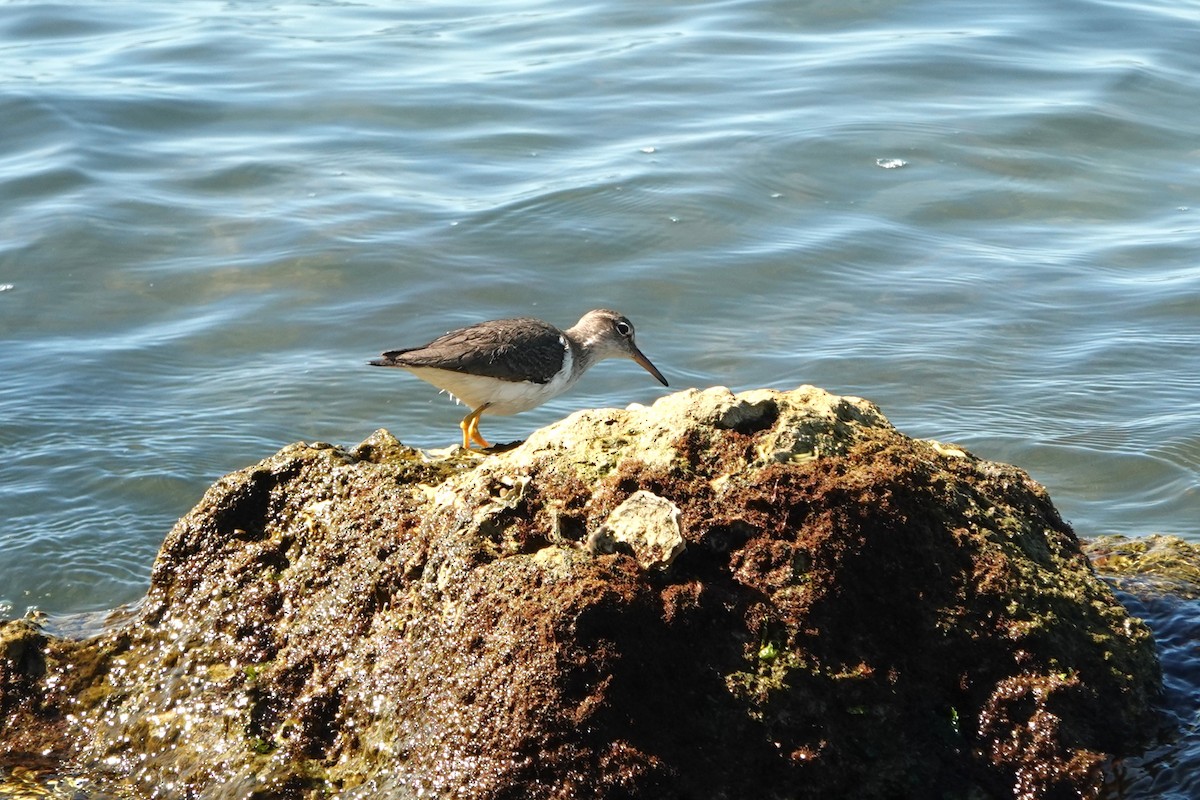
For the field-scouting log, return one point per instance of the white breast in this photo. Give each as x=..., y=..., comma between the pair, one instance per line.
x=505, y=397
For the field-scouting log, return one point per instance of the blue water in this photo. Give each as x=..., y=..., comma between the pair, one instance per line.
x=983, y=216
x=1168, y=769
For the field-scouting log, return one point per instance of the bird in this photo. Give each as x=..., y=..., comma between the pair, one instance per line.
x=506, y=366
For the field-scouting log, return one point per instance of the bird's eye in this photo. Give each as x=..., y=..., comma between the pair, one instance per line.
x=623, y=328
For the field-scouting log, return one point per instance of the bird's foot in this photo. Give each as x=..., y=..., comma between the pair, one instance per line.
x=470, y=429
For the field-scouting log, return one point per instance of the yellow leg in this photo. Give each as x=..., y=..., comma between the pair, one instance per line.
x=470, y=428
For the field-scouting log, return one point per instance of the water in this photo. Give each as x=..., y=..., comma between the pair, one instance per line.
x=983, y=216
x=1167, y=770
x=979, y=217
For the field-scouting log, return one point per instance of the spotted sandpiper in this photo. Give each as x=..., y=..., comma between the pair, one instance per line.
x=506, y=366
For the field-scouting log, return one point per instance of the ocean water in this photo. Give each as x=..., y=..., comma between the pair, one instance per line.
x=984, y=217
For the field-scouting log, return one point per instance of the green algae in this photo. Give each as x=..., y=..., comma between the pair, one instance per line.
x=1156, y=564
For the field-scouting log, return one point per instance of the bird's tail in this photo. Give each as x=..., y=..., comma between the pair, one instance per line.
x=389, y=359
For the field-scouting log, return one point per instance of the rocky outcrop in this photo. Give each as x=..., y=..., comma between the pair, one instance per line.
x=1153, y=565
x=770, y=594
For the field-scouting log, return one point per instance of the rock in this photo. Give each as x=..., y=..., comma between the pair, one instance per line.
x=1152, y=565
x=648, y=525
x=856, y=614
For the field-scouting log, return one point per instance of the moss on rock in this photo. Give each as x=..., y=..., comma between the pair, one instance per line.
x=1153, y=564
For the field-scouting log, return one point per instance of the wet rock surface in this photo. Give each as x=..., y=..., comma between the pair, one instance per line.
x=812, y=605
x=1153, y=565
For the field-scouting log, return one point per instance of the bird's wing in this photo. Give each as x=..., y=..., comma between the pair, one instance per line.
x=511, y=350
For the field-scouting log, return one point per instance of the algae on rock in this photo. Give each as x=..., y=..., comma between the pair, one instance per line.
x=852, y=613
x=1156, y=564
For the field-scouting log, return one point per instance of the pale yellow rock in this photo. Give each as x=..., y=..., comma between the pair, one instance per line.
x=648, y=524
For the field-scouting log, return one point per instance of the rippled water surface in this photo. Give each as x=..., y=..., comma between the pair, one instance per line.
x=983, y=216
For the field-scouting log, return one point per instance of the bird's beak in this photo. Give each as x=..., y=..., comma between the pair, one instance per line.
x=645, y=364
